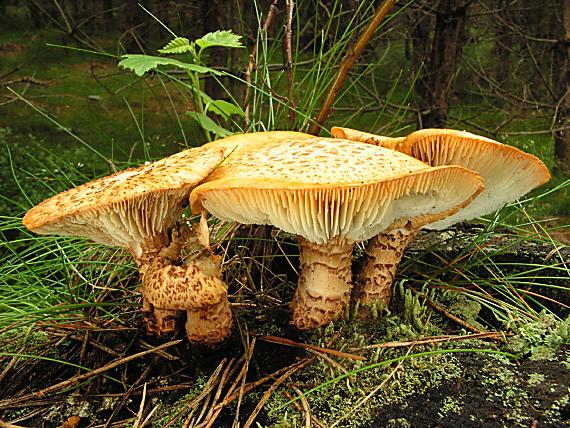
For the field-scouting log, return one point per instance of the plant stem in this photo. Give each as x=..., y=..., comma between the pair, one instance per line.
x=348, y=62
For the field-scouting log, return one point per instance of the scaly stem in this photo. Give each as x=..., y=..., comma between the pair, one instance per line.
x=374, y=286
x=325, y=281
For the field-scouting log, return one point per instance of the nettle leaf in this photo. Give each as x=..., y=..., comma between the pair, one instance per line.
x=224, y=38
x=224, y=108
x=177, y=45
x=208, y=124
x=140, y=64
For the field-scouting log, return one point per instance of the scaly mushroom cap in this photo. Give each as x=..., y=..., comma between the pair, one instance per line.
x=127, y=208
x=321, y=188
x=508, y=172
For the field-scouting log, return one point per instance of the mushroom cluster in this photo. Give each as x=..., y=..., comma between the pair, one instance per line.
x=508, y=173
x=138, y=209
x=330, y=192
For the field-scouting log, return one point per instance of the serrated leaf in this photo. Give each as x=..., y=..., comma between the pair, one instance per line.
x=224, y=108
x=224, y=38
x=176, y=46
x=140, y=64
x=208, y=124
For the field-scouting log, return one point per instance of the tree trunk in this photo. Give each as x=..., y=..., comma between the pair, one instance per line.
x=503, y=41
x=562, y=137
x=35, y=15
x=436, y=61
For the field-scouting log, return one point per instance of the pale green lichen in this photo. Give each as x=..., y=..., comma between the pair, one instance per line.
x=450, y=405
x=535, y=379
x=540, y=339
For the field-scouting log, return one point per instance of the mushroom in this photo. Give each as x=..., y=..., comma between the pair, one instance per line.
x=508, y=173
x=331, y=194
x=134, y=209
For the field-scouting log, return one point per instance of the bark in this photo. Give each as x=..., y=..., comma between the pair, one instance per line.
x=503, y=41
x=35, y=15
x=437, y=44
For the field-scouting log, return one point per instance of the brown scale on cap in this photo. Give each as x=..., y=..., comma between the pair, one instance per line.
x=332, y=194
x=508, y=174
x=134, y=209
x=195, y=286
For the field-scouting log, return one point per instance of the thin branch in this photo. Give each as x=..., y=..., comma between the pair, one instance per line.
x=85, y=376
x=348, y=62
x=289, y=342
x=433, y=340
x=272, y=388
x=290, y=5
x=253, y=56
x=449, y=315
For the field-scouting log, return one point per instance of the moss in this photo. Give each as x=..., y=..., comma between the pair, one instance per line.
x=540, y=339
x=535, y=378
x=414, y=376
x=450, y=405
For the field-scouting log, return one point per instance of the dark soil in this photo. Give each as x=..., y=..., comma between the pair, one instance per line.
x=490, y=393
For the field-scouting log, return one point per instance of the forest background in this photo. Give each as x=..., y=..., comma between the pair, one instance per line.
x=70, y=325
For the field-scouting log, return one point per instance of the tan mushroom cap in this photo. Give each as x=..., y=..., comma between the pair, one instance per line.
x=508, y=172
x=240, y=142
x=321, y=188
x=129, y=207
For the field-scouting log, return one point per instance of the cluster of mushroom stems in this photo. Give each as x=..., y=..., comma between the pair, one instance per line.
x=330, y=192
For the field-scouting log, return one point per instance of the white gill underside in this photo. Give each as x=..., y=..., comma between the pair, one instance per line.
x=506, y=178
x=358, y=213
x=124, y=224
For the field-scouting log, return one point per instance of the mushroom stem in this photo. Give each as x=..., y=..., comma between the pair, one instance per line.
x=147, y=255
x=195, y=287
x=374, y=286
x=159, y=321
x=324, y=283
x=210, y=325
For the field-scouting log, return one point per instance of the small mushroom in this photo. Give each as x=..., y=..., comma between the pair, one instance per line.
x=331, y=194
x=134, y=209
x=508, y=173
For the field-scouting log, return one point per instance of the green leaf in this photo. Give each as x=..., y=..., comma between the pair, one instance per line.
x=208, y=124
x=177, y=45
x=224, y=108
x=140, y=64
x=224, y=38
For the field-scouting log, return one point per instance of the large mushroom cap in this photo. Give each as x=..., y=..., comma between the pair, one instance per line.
x=128, y=207
x=321, y=188
x=508, y=172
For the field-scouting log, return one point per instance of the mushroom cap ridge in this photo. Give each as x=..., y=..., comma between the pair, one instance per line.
x=320, y=188
x=126, y=207
x=508, y=172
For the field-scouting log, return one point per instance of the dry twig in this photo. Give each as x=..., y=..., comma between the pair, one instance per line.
x=253, y=56
x=290, y=5
x=348, y=62
x=432, y=340
x=273, y=387
x=289, y=342
x=85, y=376
x=449, y=315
